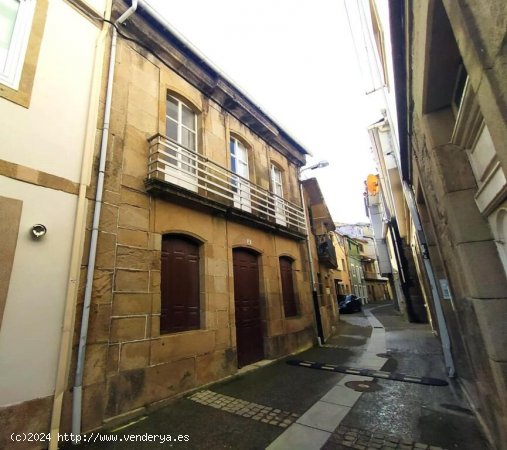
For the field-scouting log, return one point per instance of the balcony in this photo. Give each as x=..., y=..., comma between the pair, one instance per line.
x=186, y=177
x=326, y=251
x=370, y=275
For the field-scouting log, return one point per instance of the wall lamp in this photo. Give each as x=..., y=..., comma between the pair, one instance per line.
x=319, y=165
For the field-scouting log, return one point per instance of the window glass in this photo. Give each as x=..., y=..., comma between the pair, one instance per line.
x=172, y=129
x=239, y=158
x=188, y=138
x=276, y=181
x=172, y=108
x=188, y=117
x=15, y=27
x=8, y=13
x=181, y=123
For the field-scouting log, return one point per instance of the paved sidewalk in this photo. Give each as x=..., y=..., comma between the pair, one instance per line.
x=283, y=407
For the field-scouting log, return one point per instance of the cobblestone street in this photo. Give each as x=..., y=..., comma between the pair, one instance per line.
x=275, y=405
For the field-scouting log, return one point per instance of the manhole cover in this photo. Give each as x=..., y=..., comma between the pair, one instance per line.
x=363, y=386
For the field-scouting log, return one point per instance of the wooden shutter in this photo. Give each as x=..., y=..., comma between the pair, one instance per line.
x=180, y=293
x=289, y=299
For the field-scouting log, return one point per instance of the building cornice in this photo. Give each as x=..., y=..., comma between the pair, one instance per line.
x=157, y=38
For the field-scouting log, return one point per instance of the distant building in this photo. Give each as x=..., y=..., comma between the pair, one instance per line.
x=397, y=245
x=324, y=257
x=342, y=276
x=365, y=278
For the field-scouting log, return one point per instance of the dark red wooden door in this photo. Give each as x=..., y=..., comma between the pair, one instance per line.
x=289, y=299
x=179, y=285
x=249, y=339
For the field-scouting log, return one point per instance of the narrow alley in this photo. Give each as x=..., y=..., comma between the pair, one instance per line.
x=277, y=406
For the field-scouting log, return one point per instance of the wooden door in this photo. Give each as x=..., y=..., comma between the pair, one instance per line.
x=179, y=286
x=249, y=339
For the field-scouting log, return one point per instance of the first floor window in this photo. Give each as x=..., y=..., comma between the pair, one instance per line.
x=16, y=18
x=180, y=291
x=288, y=295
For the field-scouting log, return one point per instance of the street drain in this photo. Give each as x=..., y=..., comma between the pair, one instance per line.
x=363, y=386
x=383, y=355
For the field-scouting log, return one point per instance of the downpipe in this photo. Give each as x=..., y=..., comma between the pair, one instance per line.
x=315, y=297
x=77, y=392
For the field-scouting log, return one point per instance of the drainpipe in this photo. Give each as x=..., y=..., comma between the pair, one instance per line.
x=66, y=337
x=315, y=297
x=78, y=383
x=442, y=325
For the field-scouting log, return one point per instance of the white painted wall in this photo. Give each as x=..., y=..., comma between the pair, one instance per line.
x=49, y=135
x=32, y=321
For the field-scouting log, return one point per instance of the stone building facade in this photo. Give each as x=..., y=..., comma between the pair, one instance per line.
x=201, y=261
x=324, y=257
x=450, y=69
x=342, y=277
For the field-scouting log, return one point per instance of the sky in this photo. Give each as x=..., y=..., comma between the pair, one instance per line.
x=296, y=60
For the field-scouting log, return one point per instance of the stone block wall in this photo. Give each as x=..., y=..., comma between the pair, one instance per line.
x=462, y=243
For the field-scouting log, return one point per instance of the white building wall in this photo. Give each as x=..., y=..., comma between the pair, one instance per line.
x=32, y=321
x=49, y=135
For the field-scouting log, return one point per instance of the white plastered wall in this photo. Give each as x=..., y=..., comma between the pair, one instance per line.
x=32, y=321
x=49, y=135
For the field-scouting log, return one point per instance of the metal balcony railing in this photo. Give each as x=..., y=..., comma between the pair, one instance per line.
x=371, y=275
x=170, y=162
x=326, y=251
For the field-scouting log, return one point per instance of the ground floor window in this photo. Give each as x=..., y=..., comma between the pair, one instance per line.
x=180, y=290
x=288, y=294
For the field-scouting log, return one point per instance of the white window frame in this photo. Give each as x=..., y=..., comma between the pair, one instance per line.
x=10, y=74
x=241, y=187
x=277, y=188
x=181, y=164
x=179, y=123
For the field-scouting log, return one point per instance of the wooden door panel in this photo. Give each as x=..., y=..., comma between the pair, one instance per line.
x=180, y=296
x=249, y=338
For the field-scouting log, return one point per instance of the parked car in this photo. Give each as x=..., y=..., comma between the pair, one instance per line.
x=351, y=303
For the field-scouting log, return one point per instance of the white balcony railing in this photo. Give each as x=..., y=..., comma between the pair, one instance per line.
x=172, y=163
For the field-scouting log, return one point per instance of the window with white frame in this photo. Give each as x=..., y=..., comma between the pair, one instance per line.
x=181, y=123
x=239, y=158
x=239, y=166
x=277, y=188
x=276, y=180
x=16, y=18
x=181, y=130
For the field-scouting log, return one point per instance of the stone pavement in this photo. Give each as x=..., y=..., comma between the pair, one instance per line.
x=278, y=406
